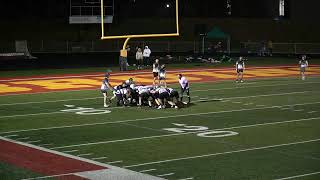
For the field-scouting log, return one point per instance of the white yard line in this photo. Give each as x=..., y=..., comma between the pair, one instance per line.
x=298, y=110
x=70, y=151
x=154, y=118
x=11, y=135
x=49, y=144
x=311, y=112
x=80, y=99
x=190, y=178
x=241, y=97
x=147, y=170
x=179, y=134
x=114, y=162
x=87, y=154
x=164, y=175
x=99, y=158
x=35, y=141
x=223, y=153
x=298, y=176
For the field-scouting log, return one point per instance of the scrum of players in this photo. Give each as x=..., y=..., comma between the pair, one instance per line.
x=160, y=96
x=131, y=94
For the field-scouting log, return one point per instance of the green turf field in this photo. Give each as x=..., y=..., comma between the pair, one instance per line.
x=261, y=129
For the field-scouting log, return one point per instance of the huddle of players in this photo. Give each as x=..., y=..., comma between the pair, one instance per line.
x=130, y=94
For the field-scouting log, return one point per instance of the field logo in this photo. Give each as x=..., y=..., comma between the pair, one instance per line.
x=85, y=111
x=201, y=131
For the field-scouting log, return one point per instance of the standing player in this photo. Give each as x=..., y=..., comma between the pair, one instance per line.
x=303, y=65
x=155, y=71
x=104, y=89
x=162, y=75
x=184, y=88
x=240, y=68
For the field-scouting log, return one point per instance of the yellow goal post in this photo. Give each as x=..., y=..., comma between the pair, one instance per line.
x=128, y=37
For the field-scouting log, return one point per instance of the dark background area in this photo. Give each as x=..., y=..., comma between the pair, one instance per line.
x=39, y=9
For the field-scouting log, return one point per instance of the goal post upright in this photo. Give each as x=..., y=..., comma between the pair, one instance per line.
x=128, y=37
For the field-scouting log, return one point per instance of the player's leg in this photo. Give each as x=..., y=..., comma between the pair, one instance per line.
x=105, y=97
x=241, y=76
x=188, y=94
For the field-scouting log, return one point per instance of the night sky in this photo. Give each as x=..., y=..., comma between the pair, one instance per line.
x=37, y=9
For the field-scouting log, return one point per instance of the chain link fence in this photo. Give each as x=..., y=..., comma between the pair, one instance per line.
x=197, y=46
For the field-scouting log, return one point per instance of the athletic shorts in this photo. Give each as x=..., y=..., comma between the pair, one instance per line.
x=164, y=95
x=155, y=74
x=104, y=91
x=155, y=95
x=240, y=71
x=144, y=95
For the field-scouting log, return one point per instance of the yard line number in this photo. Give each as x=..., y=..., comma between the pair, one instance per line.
x=85, y=111
x=202, y=131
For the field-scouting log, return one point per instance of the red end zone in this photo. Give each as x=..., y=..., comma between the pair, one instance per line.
x=43, y=162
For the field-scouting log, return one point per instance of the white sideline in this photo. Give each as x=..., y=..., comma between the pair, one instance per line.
x=297, y=176
x=80, y=99
x=146, y=119
x=112, y=170
x=147, y=170
x=241, y=97
x=164, y=175
x=179, y=134
x=223, y=153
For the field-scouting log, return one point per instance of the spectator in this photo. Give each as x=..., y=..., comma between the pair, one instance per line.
x=146, y=55
x=139, y=58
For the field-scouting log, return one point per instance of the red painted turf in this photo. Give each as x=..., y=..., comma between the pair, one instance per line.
x=42, y=162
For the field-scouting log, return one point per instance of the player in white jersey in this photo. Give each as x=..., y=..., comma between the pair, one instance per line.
x=104, y=89
x=240, y=66
x=184, y=84
x=162, y=76
x=155, y=71
x=303, y=66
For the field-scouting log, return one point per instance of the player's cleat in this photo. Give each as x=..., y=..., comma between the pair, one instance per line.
x=106, y=106
x=176, y=107
x=241, y=81
x=185, y=103
x=159, y=107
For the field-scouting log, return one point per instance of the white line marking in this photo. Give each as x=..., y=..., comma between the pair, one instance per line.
x=298, y=110
x=311, y=112
x=114, y=162
x=23, y=138
x=147, y=170
x=80, y=99
x=49, y=144
x=154, y=118
x=237, y=102
x=35, y=141
x=297, y=176
x=248, y=104
x=88, y=154
x=179, y=134
x=109, y=167
x=223, y=153
x=70, y=151
x=99, y=158
x=187, y=178
x=12, y=135
x=164, y=175
x=285, y=108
